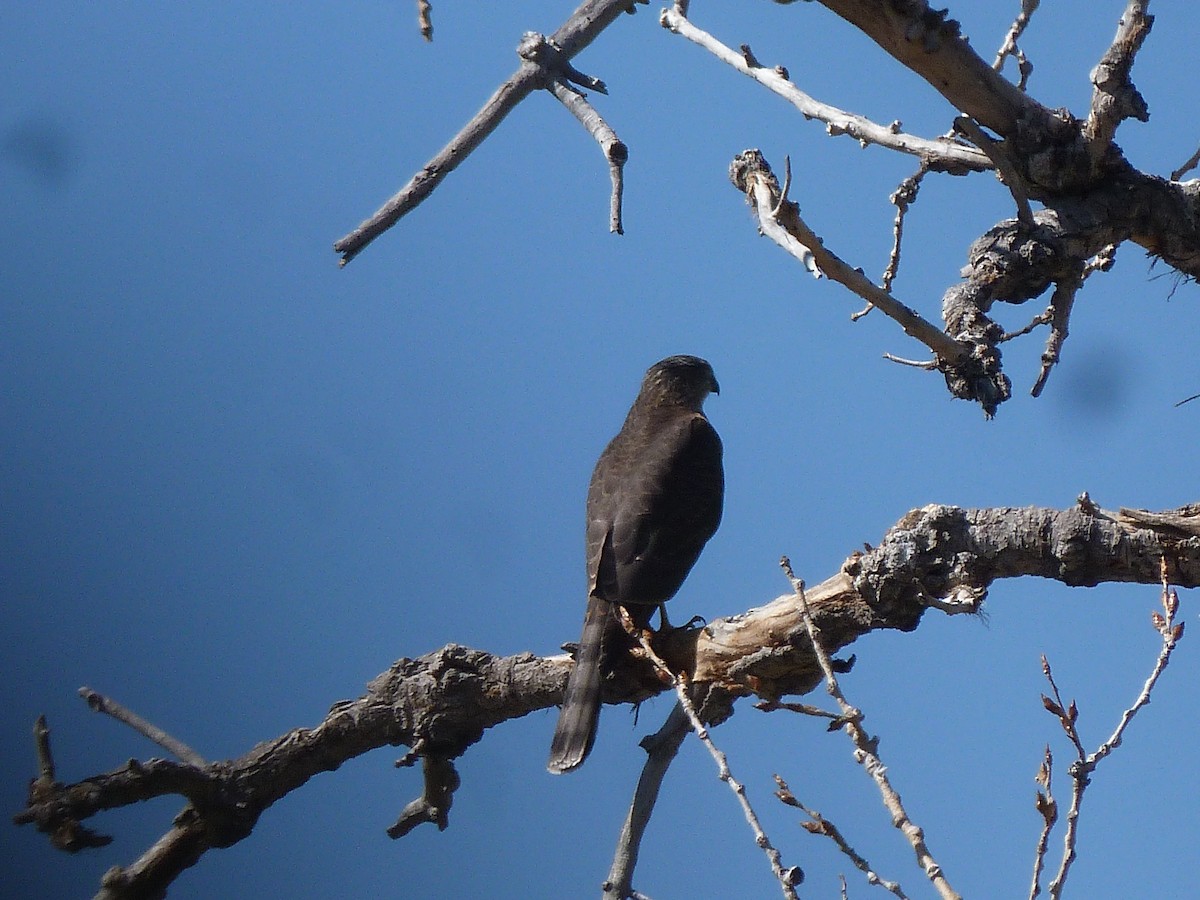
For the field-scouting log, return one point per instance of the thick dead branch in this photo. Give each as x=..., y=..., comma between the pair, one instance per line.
x=1182, y=522
x=1114, y=98
x=931, y=44
x=936, y=557
x=969, y=359
x=780, y=219
x=583, y=27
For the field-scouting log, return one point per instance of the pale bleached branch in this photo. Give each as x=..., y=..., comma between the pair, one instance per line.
x=904, y=196
x=866, y=749
x=780, y=220
x=614, y=149
x=938, y=154
x=788, y=877
x=1010, y=48
x=583, y=27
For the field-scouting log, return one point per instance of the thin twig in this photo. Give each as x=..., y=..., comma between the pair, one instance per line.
x=1010, y=48
x=939, y=154
x=866, y=749
x=661, y=748
x=1085, y=764
x=175, y=747
x=614, y=149
x=818, y=824
x=1048, y=808
x=903, y=197
x=1008, y=172
x=788, y=878
x=1042, y=318
x=926, y=364
x=803, y=709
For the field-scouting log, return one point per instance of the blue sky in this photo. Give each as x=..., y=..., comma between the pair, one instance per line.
x=237, y=482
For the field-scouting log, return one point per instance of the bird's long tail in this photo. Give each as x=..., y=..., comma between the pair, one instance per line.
x=580, y=714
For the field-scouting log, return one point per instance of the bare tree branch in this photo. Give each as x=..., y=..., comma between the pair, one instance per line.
x=966, y=125
x=902, y=198
x=818, y=824
x=1010, y=48
x=661, y=748
x=583, y=27
x=940, y=557
x=1191, y=163
x=1114, y=97
x=176, y=748
x=939, y=155
x=1047, y=808
x=1085, y=764
x=1061, y=304
x=614, y=149
x=866, y=749
x=931, y=44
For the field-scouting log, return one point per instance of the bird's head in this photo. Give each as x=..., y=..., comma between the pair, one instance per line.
x=680, y=380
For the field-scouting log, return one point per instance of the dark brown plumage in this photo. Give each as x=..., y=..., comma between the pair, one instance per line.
x=654, y=500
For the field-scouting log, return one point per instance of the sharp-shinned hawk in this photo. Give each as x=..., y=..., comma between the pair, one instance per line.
x=654, y=500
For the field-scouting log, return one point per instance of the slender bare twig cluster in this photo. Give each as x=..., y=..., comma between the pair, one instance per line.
x=866, y=749
x=1092, y=199
x=818, y=824
x=787, y=876
x=1084, y=765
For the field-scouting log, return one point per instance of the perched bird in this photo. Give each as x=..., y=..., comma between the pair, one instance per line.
x=654, y=501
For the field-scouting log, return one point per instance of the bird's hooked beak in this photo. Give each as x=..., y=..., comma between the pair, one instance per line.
x=714, y=387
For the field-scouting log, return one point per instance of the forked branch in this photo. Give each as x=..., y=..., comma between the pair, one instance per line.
x=937, y=557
